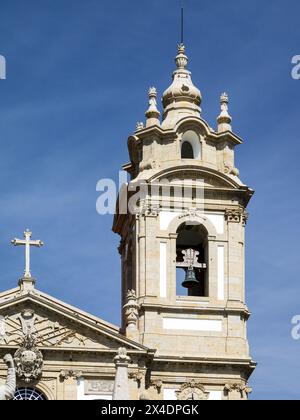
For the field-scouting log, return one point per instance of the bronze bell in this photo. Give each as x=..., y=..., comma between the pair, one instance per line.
x=190, y=279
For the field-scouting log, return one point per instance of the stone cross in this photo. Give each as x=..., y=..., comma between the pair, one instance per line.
x=27, y=242
x=190, y=260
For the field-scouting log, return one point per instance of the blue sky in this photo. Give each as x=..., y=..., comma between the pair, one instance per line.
x=77, y=77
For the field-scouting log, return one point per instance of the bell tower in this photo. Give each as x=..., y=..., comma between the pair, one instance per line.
x=183, y=239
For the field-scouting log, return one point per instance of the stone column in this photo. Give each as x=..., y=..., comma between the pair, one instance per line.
x=121, y=387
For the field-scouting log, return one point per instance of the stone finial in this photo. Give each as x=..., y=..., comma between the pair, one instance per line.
x=152, y=114
x=224, y=119
x=131, y=313
x=181, y=59
x=139, y=126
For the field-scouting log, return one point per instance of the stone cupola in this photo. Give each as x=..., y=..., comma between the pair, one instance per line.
x=182, y=98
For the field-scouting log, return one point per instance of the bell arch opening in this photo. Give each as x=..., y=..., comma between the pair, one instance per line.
x=191, y=260
x=187, y=151
x=190, y=145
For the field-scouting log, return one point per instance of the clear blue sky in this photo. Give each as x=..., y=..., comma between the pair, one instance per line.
x=78, y=72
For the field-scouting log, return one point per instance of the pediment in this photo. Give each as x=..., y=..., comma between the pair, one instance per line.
x=56, y=326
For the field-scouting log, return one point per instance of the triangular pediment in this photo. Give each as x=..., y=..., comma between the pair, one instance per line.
x=56, y=325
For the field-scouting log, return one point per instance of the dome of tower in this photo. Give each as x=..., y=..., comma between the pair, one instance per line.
x=182, y=97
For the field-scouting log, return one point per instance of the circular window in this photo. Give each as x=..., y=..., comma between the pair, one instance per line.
x=29, y=394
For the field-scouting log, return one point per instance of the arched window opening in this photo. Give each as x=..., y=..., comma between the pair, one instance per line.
x=191, y=147
x=187, y=151
x=29, y=394
x=191, y=261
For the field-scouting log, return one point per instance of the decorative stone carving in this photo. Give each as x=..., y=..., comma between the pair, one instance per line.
x=224, y=119
x=122, y=358
x=121, y=387
x=245, y=218
x=238, y=391
x=157, y=384
x=230, y=169
x=137, y=376
x=152, y=113
x=149, y=210
x=98, y=386
x=192, y=213
x=67, y=374
x=139, y=126
x=46, y=332
x=29, y=360
x=7, y=391
x=236, y=216
x=131, y=310
x=27, y=320
x=192, y=391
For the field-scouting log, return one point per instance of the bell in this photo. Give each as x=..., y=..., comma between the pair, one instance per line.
x=190, y=279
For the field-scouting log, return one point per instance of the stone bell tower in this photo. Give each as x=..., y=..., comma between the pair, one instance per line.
x=183, y=242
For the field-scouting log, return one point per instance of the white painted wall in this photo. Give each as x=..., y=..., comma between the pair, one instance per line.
x=166, y=217
x=215, y=396
x=221, y=273
x=189, y=324
x=163, y=270
x=170, y=395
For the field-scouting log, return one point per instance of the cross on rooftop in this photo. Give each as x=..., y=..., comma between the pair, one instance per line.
x=27, y=242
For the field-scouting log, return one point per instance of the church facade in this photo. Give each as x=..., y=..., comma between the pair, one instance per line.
x=184, y=316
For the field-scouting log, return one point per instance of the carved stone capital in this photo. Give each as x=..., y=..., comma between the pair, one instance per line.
x=68, y=374
x=236, y=216
x=148, y=210
x=238, y=390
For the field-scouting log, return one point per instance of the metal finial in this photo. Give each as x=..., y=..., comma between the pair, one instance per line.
x=182, y=25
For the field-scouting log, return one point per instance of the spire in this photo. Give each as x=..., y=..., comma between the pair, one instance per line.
x=224, y=119
x=182, y=98
x=152, y=114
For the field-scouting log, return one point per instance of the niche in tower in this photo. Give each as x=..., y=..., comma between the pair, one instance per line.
x=195, y=237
